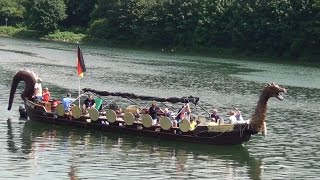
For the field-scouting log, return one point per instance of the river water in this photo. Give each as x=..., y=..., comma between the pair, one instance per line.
x=31, y=150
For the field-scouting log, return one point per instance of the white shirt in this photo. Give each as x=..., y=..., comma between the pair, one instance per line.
x=233, y=119
x=38, y=89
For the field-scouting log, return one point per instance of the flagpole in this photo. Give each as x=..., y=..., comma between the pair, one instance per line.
x=78, y=74
x=79, y=92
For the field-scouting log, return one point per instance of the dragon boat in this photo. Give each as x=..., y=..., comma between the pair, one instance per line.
x=129, y=123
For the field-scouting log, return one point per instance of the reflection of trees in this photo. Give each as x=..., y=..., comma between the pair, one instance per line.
x=177, y=154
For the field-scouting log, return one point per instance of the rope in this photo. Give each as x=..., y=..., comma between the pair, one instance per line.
x=242, y=130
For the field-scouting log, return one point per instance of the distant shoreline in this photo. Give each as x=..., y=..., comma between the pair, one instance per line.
x=71, y=37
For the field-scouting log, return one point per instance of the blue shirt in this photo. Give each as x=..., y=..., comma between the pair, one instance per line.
x=66, y=103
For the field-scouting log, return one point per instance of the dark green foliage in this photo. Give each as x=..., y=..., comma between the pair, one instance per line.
x=13, y=10
x=282, y=28
x=78, y=12
x=274, y=27
x=44, y=15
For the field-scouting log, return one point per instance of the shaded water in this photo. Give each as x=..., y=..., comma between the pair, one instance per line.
x=38, y=151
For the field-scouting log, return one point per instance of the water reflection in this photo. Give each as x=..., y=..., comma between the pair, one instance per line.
x=10, y=138
x=72, y=173
x=175, y=159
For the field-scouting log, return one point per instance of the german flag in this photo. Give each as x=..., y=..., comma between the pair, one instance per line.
x=81, y=68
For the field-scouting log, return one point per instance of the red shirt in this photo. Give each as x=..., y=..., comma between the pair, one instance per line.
x=46, y=96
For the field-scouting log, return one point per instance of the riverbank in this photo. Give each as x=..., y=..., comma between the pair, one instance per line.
x=229, y=53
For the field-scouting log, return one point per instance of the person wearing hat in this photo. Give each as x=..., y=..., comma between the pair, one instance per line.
x=38, y=90
x=46, y=95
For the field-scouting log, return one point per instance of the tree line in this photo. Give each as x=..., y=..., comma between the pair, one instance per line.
x=279, y=28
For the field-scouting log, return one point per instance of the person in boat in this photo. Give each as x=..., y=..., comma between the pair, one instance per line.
x=193, y=123
x=153, y=112
x=183, y=113
x=88, y=103
x=46, y=95
x=167, y=113
x=179, y=114
x=215, y=117
x=66, y=102
x=38, y=90
x=232, y=117
x=238, y=114
x=115, y=107
x=187, y=111
x=54, y=105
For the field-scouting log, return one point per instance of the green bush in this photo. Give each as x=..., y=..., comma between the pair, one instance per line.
x=65, y=36
x=9, y=30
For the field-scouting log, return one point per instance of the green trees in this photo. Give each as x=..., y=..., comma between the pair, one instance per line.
x=44, y=15
x=268, y=27
x=273, y=27
x=78, y=12
x=13, y=10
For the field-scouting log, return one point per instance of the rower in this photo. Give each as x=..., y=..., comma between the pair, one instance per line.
x=153, y=112
x=88, y=104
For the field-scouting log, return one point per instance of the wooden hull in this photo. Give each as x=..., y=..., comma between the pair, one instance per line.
x=239, y=134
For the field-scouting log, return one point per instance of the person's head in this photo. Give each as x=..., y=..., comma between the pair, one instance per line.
x=237, y=110
x=46, y=89
x=232, y=113
x=154, y=104
x=214, y=111
x=90, y=96
x=68, y=94
x=39, y=80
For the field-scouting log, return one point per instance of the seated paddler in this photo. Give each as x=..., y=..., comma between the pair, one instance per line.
x=88, y=103
x=153, y=112
x=115, y=107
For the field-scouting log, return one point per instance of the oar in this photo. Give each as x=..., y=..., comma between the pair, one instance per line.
x=204, y=109
x=77, y=98
x=164, y=104
x=132, y=101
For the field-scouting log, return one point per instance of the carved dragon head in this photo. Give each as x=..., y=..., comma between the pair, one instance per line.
x=273, y=90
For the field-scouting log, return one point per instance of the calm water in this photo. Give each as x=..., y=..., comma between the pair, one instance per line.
x=32, y=150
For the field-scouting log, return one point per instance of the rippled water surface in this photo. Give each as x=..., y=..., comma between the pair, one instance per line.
x=31, y=150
